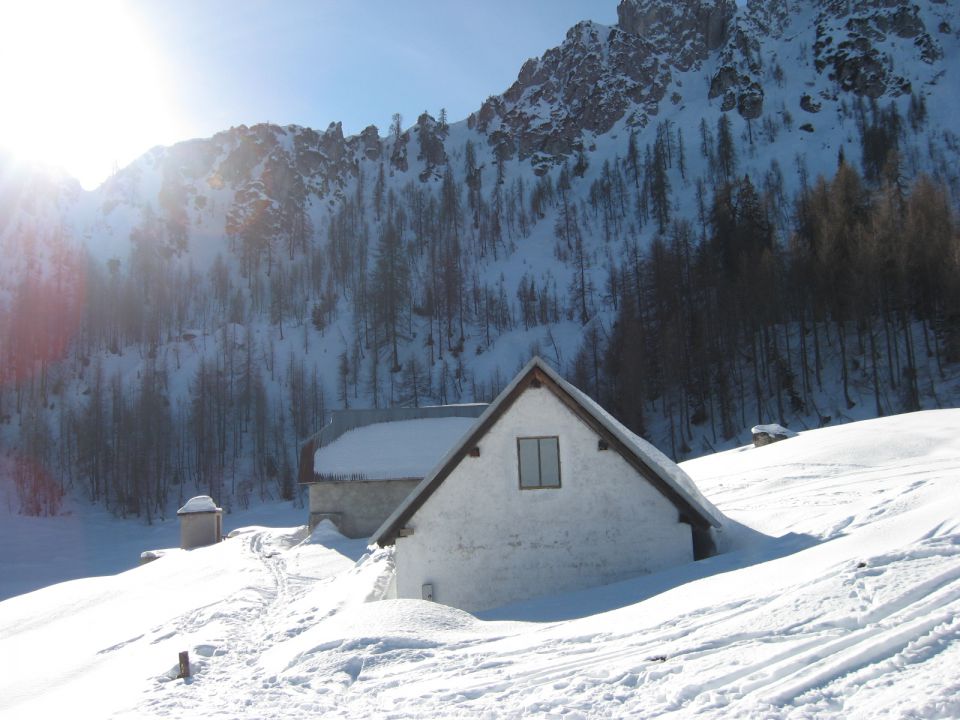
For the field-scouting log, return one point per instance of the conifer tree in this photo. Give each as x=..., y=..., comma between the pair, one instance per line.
x=726, y=151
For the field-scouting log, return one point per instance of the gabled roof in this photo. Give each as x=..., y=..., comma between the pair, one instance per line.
x=652, y=464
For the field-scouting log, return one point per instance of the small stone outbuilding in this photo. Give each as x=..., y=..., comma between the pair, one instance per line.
x=766, y=434
x=201, y=522
x=363, y=464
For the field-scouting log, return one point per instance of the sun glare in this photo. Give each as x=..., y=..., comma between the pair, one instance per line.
x=81, y=87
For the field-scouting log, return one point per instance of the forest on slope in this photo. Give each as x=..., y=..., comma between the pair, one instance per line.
x=695, y=276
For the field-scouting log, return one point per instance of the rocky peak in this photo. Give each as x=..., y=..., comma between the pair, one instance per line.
x=370, y=142
x=601, y=74
x=854, y=39
x=686, y=30
x=768, y=17
x=737, y=79
x=596, y=77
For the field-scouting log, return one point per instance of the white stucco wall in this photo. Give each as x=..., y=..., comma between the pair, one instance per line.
x=482, y=542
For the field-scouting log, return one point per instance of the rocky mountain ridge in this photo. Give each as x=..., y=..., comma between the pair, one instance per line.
x=599, y=78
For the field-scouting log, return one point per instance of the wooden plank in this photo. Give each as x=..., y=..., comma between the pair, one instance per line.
x=184, y=665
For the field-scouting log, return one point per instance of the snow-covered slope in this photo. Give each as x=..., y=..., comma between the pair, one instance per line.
x=837, y=595
x=217, y=298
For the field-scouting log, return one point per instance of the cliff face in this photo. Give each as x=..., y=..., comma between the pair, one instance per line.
x=686, y=32
x=602, y=75
x=599, y=75
x=856, y=44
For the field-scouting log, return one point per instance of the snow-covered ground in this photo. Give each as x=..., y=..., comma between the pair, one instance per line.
x=86, y=540
x=837, y=595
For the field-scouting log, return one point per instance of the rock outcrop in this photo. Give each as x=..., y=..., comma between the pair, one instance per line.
x=596, y=77
x=686, y=31
x=853, y=41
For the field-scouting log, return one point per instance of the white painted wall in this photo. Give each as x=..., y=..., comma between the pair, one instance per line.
x=482, y=542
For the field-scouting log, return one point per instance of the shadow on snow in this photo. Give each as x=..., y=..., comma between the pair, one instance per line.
x=738, y=547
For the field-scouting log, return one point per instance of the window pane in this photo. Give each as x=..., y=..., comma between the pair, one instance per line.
x=550, y=462
x=529, y=462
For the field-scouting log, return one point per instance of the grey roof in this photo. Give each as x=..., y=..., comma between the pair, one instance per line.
x=663, y=473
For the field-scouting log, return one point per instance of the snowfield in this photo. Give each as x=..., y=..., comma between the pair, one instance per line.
x=837, y=594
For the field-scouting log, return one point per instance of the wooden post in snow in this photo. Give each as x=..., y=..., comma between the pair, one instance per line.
x=184, y=665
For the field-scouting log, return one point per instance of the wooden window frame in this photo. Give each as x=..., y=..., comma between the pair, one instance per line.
x=540, y=486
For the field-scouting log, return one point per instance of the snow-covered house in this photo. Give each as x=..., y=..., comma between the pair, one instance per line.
x=546, y=493
x=364, y=463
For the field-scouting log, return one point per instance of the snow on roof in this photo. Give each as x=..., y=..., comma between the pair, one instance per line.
x=199, y=504
x=666, y=468
x=398, y=449
x=772, y=429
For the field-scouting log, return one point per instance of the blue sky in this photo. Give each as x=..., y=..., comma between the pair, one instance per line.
x=310, y=63
x=90, y=85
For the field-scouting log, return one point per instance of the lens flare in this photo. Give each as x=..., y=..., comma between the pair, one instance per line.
x=44, y=314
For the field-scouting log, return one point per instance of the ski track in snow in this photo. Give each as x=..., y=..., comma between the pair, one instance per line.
x=245, y=630
x=788, y=662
